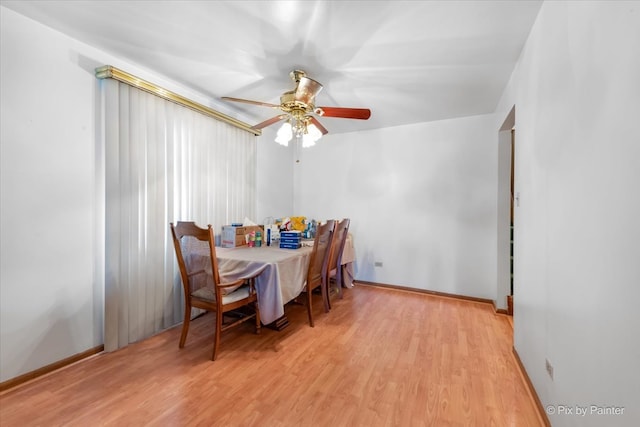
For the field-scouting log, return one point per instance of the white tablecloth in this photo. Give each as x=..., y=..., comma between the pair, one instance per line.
x=348, y=258
x=280, y=273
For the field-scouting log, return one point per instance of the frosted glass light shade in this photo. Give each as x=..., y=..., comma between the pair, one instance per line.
x=284, y=134
x=313, y=134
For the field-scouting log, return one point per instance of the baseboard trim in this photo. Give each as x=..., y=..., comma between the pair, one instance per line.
x=426, y=291
x=14, y=382
x=500, y=310
x=532, y=391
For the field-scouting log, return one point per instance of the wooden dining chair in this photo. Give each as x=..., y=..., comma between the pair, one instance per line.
x=203, y=288
x=318, y=264
x=333, y=272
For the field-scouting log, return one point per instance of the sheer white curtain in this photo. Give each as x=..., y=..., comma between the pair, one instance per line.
x=163, y=163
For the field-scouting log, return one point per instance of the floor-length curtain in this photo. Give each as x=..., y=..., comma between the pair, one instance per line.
x=163, y=163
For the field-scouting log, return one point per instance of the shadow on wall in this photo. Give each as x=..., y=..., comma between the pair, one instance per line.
x=55, y=341
x=365, y=269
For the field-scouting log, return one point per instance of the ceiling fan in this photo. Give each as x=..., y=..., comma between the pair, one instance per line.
x=299, y=110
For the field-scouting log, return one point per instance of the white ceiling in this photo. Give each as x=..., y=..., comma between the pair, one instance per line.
x=408, y=61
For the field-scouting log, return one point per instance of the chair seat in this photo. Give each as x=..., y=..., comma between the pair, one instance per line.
x=209, y=294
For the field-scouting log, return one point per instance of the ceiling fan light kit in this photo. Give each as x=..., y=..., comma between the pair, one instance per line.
x=298, y=106
x=299, y=128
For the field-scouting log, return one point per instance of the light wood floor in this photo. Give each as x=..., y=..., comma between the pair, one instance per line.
x=380, y=357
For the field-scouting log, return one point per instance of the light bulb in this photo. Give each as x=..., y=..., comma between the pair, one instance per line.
x=284, y=134
x=313, y=134
x=307, y=141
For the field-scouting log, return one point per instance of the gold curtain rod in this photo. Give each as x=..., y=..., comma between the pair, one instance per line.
x=109, y=72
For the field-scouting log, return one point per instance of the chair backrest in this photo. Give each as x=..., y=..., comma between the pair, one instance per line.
x=186, y=229
x=339, y=239
x=319, y=261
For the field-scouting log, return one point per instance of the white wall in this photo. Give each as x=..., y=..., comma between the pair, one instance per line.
x=577, y=270
x=52, y=193
x=422, y=200
x=275, y=169
x=50, y=296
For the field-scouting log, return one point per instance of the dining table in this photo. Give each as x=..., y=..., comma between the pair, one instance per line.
x=280, y=274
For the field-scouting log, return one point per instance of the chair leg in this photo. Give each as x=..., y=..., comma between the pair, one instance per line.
x=216, y=339
x=324, y=287
x=309, y=291
x=339, y=280
x=255, y=304
x=185, y=326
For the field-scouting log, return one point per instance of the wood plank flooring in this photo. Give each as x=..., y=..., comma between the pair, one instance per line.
x=380, y=357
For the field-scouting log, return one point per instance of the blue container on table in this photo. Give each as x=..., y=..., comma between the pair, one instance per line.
x=290, y=239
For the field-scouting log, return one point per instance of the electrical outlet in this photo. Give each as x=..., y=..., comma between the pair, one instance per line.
x=549, y=368
x=377, y=264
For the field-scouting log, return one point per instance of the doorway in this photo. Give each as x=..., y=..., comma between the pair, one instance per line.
x=507, y=202
x=512, y=205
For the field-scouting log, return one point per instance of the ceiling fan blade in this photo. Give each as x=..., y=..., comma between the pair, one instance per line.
x=307, y=90
x=345, y=113
x=248, y=101
x=269, y=122
x=319, y=126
